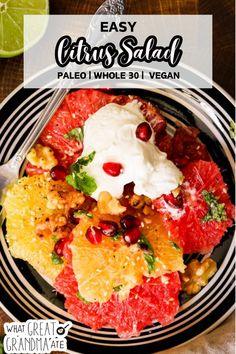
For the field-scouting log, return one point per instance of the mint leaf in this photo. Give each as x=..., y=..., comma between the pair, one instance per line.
x=118, y=287
x=83, y=182
x=151, y=261
x=148, y=253
x=85, y=160
x=144, y=241
x=175, y=246
x=54, y=238
x=82, y=298
x=56, y=259
x=70, y=179
x=117, y=236
x=81, y=212
x=80, y=179
x=216, y=210
x=75, y=134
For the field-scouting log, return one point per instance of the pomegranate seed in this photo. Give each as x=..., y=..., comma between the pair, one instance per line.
x=131, y=236
x=94, y=235
x=129, y=221
x=59, y=246
x=108, y=228
x=144, y=131
x=174, y=202
x=58, y=172
x=112, y=168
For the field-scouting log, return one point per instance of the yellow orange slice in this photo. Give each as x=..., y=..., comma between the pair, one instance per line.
x=168, y=255
x=26, y=203
x=106, y=267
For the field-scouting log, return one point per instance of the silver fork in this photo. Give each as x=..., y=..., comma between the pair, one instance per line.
x=9, y=172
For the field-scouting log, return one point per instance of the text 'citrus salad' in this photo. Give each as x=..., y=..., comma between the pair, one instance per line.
x=110, y=205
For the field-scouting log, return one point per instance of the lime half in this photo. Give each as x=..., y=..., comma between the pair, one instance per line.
x=12, y=23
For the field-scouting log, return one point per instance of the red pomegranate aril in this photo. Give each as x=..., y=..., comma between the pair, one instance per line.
x=67, y=254
x=131, y=236
x=59, y=246
x=176, y=202
x=94, y=235
x=113, y=169
x=129, y=221
x=58, y=173
x=144, y=131
x=108, y=228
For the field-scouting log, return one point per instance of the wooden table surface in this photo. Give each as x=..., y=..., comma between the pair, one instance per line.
x=11, y=70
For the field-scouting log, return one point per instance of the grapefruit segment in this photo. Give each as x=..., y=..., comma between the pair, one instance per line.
x=54, y=135
x=186, y=225
x=153, y=300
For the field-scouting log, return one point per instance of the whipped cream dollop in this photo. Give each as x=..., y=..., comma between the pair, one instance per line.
x=110, y=132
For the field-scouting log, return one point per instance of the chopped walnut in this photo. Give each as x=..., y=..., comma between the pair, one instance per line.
x=139, y=201
x=55, y=201
x=147, y=210
x=64, y=200
x=46, y=225
x=109, y=205
x=42, y=156
x=61, y=202
x=176, y=192
x=197, y=274
x=74, y=199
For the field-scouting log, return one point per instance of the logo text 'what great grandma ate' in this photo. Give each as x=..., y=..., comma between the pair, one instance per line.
x=81, y=52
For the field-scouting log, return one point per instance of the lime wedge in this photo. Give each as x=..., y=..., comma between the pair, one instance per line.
x=12, y=23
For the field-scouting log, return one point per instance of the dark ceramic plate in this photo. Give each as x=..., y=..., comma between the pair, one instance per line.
x=25, y=294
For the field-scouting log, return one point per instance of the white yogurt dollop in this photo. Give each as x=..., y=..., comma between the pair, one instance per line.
x=110, y=132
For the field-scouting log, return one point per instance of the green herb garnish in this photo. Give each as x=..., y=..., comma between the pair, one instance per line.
x=75, y=134
x=85, y=160
x=80, y=179
x=54, y=238
x=82, y=298
x=83, y=182
x=118, y=287
x=148, y=253
x=83, y=212
x=144, y=241
x=175, y=246
x=216, y=210
x=117, y=236
x=56, y=259
x=151, y=261
x=232, y=129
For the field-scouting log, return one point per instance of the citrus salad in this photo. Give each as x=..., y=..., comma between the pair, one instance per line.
x=110, y=204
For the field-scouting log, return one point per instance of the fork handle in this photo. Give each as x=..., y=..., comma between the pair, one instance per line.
x=52, y=105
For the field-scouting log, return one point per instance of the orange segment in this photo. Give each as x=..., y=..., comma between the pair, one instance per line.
x=26, y=203
x=169, y=256
x=102, y=268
